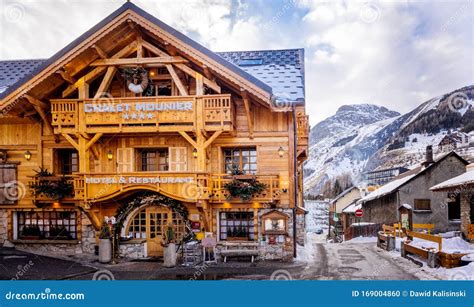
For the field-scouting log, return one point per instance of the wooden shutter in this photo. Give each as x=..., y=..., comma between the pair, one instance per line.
x=125, y=159
x=178, y=159
x=8, y=182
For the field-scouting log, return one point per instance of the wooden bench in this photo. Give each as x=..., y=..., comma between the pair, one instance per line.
x=422, y=252
x=428, y=227
x=386, y=237
x=470, y=232
x=240, y=249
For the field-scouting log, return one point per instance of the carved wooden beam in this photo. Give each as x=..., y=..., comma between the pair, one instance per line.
x=100, y=52
x=127, y=50
x=71, y=141
x=40, y=107
x=189, y=139
x=214, y=136
x=247, y=112
x=139, y=61
x=36, y=102
x=182, y=89
x=104, y=85
x=92, y=141
x=186, y=69
x=67, y=77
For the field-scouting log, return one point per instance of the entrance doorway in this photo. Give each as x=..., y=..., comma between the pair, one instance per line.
x=150, y=223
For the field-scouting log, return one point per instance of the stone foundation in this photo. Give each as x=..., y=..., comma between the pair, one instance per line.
x=133, y=250
x=3, y=226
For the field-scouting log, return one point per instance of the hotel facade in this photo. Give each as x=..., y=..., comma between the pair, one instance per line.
x=137, y=125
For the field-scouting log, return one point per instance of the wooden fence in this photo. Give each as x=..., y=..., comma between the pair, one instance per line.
x=363, y=230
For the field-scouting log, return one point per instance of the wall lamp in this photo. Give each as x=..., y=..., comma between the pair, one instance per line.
x=195, y=153
x=110, y=155
x=281, y=152
x=27, y=155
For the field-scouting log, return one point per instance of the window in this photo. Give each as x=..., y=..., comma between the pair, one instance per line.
x=137, y=227
x=422, y=204
x=152, y=160
x=275, y=223
x=54, y=225
x=244, y=159
x=68, y=161
x=236, y=226
x=454, y=206
x=250, y=62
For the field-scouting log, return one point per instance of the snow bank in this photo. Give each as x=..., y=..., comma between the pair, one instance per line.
x=362, y=240
x=450, y=245
x=306, y=253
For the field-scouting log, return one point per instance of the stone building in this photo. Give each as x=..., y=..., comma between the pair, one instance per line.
x=413, y=188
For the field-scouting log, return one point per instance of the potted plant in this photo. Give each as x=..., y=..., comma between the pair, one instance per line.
x=243, y=186
x=59, y=232
x=31, y=232
x=169, y=247
x=105, y=244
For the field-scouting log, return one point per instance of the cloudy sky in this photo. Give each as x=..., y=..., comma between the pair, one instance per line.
x=395, y=53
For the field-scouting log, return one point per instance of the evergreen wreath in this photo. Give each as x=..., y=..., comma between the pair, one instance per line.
x=137, y=80
x=152, y=199
x=245, y=189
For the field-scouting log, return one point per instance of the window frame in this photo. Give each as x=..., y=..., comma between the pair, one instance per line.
x=251, y=233
x=74, y=167
x=418, y=201
x=140, y=162
x=232, y=158
x=48, y=219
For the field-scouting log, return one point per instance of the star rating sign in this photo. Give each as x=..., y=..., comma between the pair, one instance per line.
x=149, y=115
x=125, y=116
x=134, y=115
x=141, y=116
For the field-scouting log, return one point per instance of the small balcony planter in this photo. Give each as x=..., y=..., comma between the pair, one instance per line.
x=243, y=186
x=46, y=185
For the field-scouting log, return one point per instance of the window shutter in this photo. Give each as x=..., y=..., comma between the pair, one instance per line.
x=125, y=160
x=8, y=184
x=178, y=159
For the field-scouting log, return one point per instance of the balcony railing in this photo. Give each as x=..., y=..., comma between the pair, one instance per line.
x=184, y=186
x=143, y=114
x=302, y=124
x=54, y=181
x=220, y=194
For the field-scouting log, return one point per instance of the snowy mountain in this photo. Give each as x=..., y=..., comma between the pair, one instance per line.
x=364, y=137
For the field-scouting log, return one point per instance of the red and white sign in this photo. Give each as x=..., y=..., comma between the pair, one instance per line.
x=359, y=213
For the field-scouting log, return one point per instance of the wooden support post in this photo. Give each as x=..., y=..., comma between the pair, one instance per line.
x=199, y=84
x=248, y=113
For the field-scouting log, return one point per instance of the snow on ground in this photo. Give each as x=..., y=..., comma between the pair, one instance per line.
x=306, y=253
x=361, y=240
x=449, y=245
x=318, y=215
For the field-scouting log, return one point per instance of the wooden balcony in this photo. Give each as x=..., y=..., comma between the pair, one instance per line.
x=302, y=135
x=53, y=180
x=219, y=194
x=143, y=114
x=184, y=186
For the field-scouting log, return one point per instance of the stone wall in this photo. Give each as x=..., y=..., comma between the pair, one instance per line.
x=133, y=250
x=3, y=226
x=283, y=249
x=300, y=229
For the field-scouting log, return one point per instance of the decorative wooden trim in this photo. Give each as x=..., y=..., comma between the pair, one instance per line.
x=138, y=61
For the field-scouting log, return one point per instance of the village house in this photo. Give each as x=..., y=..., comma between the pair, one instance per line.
x=337, y=220
x=460, y=190
x=136, y=124
x=412, y=190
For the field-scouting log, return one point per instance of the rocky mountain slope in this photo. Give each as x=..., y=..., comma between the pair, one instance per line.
x=364, y=137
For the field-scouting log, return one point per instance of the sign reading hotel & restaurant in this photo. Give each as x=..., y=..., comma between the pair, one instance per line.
x=137, y=110
x=137, y=180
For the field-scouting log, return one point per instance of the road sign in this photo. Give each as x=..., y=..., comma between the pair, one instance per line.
x=359, y=213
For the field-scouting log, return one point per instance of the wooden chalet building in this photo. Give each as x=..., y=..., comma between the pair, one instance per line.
x=139, y=125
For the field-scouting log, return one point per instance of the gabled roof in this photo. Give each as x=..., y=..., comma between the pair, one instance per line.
x=407, y=177
x=466, y=179
x=343, y=193
x=282, y=70
x=22, y=78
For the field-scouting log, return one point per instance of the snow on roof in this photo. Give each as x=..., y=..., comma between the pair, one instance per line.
x=406, y=206
x=342, y=194
x=463, y=179
x=387, y=189
x=352, y=207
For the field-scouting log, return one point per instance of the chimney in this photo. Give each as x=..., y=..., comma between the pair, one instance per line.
x=429, y=157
